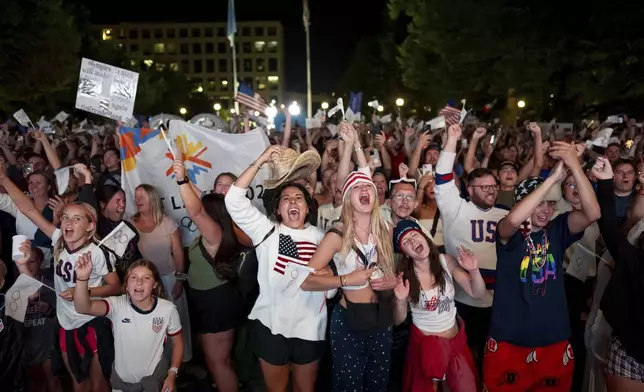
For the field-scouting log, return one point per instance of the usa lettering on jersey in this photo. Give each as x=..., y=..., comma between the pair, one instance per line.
x=483, y=230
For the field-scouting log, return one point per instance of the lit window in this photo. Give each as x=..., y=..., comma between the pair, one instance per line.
x=273, y=79
x=107, y=34
x=259, y=65
x=132, y=63
x=272, y=47
x=148, y=62
x=174, y=67
x=224, y=82
x=259, y=46
x=160, y=66
x=159, y=47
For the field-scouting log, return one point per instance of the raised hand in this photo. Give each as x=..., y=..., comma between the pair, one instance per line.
x=479, y=133
x=403, y=170
x=559, y=172
x=25, y=248
x=467, y=259
x=84, y=266
x=409, y=132
x=347, y=133
x=534, y=128
x=454, y=131
x=565, y=152
x=401, y=291
x=269, y=154
x=380, y=140
x=37, y=135
x=179, y=170
x=423, y=140
x=602, y=169
x=57, y=204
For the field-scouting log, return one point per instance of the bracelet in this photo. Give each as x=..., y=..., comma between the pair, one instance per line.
x=257, y=165
x=82, y=280
x=356, y=149
x=342, y=281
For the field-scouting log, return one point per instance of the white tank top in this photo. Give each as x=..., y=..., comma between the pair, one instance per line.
x=435, y=312
x=353, y=262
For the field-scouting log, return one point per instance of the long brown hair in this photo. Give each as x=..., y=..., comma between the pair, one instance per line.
x=159, y=290
x=406, y=266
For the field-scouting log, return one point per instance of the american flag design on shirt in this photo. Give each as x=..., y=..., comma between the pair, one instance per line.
x=299, y=252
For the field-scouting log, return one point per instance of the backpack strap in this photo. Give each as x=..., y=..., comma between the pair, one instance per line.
x=265, y=237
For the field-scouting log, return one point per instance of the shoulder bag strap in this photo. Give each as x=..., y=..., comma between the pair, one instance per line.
x=435, y=223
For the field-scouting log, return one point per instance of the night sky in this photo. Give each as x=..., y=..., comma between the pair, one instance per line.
x=336, y=27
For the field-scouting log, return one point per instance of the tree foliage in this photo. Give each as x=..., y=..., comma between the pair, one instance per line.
x=39, y=42
x=584, y=55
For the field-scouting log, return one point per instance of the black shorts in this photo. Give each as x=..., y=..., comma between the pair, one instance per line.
x=278, y=350
x=216, y=310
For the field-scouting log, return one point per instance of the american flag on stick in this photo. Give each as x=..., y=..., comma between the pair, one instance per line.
x=247, y=97
x=289, y=251
x=452, y=115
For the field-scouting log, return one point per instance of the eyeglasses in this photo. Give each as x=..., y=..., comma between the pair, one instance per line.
x=407, y=198
x=486, y=188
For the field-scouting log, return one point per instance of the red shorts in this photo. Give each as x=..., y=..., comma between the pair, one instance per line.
x=509, y=368
x=90, y=338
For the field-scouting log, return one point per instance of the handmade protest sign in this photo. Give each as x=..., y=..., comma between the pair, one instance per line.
x=106, y=90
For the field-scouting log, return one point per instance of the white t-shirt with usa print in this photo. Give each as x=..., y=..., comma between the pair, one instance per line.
x=303, y=314
x=139, y=335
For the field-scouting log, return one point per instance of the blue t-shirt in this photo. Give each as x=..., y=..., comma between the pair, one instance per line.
x=530, y=307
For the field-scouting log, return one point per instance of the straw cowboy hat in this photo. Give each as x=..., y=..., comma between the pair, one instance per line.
x=290, y=167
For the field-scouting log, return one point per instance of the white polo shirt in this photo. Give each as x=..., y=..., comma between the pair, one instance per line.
x=139, y=335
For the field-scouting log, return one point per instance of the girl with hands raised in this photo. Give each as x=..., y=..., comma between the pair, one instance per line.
x=437, y=344
x=139, y=342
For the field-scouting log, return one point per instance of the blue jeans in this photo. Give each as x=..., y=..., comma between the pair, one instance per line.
x=361, y=360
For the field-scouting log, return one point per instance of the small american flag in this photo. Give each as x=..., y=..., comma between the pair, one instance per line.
x=290, y=251
x=246, y=96
x=452, y=115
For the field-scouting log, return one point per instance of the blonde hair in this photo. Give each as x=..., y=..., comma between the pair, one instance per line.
x=156, y=205
x=380, y=230
x=90, y=214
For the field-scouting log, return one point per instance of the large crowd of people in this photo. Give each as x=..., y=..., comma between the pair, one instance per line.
x=474, y=257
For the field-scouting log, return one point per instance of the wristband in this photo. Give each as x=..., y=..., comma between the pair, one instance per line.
x=82, y=280
x=257, y=165
x=173, y=370
x=185, y=180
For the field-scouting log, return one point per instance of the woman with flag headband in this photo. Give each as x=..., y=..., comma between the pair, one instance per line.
x=289, y=324
x=360, y=334
x=437, y=349
x=85, y=342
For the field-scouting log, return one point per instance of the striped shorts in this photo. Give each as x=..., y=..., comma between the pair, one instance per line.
x=621, y=364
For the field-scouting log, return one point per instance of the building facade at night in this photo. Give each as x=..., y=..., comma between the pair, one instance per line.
x=202, y=52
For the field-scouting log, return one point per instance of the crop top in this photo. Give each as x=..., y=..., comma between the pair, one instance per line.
x=436, y=312
x=353, y=262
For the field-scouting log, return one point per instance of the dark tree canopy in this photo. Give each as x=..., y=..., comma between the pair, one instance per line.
x=583, y=54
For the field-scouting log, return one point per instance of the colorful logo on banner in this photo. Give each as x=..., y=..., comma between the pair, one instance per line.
x=131, y=140
x=190, y=152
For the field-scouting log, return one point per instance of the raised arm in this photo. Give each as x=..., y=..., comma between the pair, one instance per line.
x=470, y=157
x=414, y=161
x=255, y=224
x=448, y=197
x=578, y=220
x=385, y=158
x=209, y=229
x=614, y=238
x=25, y=204
x=287, y=128
x=50, y=151
x=82, y=302
x=350, y=138
x=523, y=209
x=538, y=149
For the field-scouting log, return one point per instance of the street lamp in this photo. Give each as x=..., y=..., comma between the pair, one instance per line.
x=294, y=109
x=183, y=111
x=232, y=111
x=325, y=105
x=381, y=108
x=400, y=102
x=217, y=107
x=200, y=89
x=521, y=104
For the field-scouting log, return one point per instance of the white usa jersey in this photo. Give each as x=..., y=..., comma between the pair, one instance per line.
x=466, y=224
x=65, y=278
x=139, y=335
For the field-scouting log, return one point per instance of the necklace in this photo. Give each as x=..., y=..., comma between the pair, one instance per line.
x=532, y=250
x=427, y=304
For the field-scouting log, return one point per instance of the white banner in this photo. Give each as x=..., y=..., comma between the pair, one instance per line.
x=145, y=159
x=106, y=90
